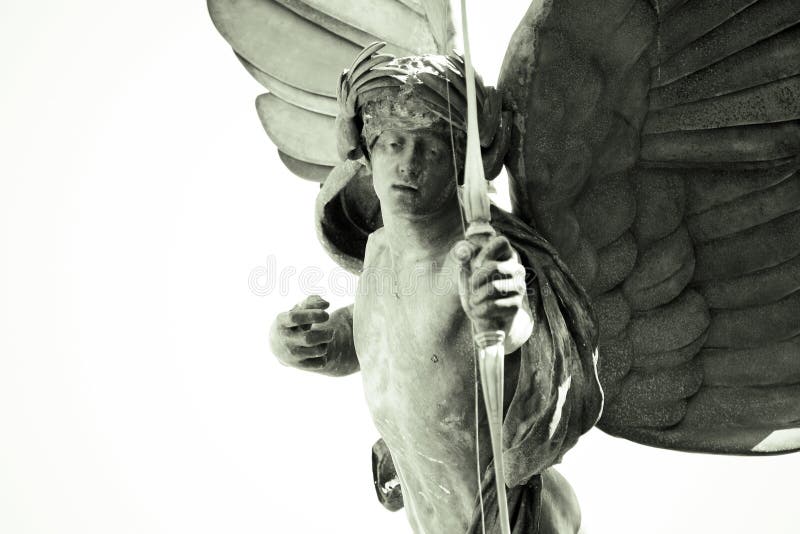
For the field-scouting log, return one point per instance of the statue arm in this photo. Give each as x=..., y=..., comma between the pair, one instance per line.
x=308, y=338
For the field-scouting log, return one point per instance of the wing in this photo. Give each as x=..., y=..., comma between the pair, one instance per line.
x=657, y=146
x=297, y=50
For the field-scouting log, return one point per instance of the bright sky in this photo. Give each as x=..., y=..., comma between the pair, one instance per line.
x=138, y=192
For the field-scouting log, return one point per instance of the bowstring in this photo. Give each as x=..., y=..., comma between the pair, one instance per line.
x=472, y=325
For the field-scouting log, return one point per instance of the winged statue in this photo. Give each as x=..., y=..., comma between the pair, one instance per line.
x=646, y=281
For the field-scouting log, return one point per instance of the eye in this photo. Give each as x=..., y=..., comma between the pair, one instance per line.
x=436, y=149
x=393, y=143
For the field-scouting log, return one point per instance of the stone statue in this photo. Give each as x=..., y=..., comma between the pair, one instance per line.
x=653, y=149
x=409, y=331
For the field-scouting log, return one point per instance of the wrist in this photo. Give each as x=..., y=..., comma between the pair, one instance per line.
x=520, y=329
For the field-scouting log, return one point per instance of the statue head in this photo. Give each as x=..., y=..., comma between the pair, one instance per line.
x=380, y=92
x=414, y=170
x=421, y=99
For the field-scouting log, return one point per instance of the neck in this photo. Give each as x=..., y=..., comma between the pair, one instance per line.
x=424, y=238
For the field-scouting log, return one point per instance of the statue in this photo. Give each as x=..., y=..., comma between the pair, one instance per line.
x=653, y=147
x=409, y=331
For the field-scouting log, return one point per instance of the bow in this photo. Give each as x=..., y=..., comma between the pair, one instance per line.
x=488, y=336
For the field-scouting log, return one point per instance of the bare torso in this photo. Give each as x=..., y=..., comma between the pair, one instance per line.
x=416, y=357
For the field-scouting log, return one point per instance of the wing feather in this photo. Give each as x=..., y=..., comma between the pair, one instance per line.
x=755, y=326
x=749, y=251
x=331, y=20
x=766, y=285
x=741, y=30
x=706, y=188
x=667, y=7
x=293, y=95
x=415, y=5
x=615, y=261
x=267, y=35
x=390, y=20
x=766, y=365
x=661, y=272
x=774, y=58
x=651, y=362
x=749, y=407
x=756, y=208
x=692, y=21
x=614, y=201
x=297, y=132
x=304, y=169
x=778, y=101
x=737, y=144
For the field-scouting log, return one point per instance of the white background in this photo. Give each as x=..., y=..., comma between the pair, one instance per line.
x=137, y=395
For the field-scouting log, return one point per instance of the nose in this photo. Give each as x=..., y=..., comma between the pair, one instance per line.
x=410, y=162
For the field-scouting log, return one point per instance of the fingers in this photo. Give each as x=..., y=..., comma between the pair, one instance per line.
x=308, y=348
x=503, y=309
x=303, y=315
x=496, y=271
x=496, y=259
x=497, y=248
x=313, y=364
x=464, y=251
x=308, y=357
x=314, y=302
x=497, y=289
x=310, y=338
x=304, y=353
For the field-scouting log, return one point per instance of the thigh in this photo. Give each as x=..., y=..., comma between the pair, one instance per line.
x=560, y=513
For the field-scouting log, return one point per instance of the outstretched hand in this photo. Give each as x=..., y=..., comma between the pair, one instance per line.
x=300, y=337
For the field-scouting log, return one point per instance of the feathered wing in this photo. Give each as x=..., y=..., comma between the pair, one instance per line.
x=657, y=146
x=297, y=49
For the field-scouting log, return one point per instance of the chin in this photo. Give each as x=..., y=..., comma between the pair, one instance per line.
x=405, y=210
x=414, y=204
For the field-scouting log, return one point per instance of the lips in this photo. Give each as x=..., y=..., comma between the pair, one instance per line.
x=405, y=187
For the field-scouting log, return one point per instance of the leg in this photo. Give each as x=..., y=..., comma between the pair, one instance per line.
x=560, y=512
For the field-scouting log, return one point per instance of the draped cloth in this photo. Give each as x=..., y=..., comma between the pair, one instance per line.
x=558, y=396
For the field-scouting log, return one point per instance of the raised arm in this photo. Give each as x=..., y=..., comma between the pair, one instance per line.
x=308, y=338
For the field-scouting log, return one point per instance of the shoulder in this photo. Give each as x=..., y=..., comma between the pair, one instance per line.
x=376, y=245
x=376, y=239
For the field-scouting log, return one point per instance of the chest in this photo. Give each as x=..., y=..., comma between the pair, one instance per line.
x=414, y=345
x=409, y=316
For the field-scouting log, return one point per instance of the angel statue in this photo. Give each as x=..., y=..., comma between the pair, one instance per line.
x=645, y=282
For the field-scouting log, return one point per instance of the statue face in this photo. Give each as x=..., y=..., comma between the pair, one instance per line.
x=412, y=172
